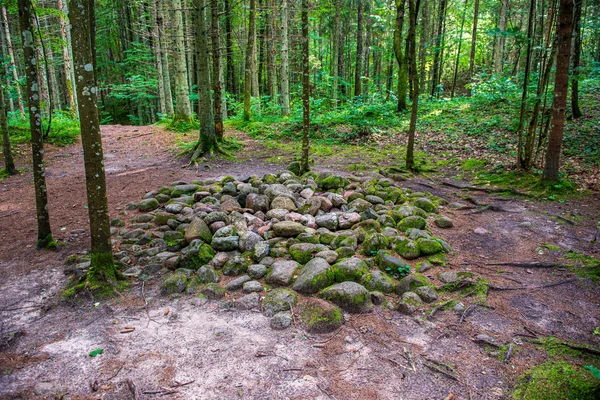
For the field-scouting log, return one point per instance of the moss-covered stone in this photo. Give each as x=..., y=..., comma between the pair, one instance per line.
x=303, y=252
x=148, y=204
x=236, y=266
x=162, y=218
x=443, y=222
x=350, y=296
x=180, y=190
x=411, y=282
x=278, y=300
x=350, y=269
x=314, y=276
x=425, y=204
x=332, y=182
x=407, y=249
x=213, y=291
x=319, y=316
x=373, y=243
x=174, y=283
x=378, y=281
x=429, y=247
x=207, y=274
x=294, y=167
x=193, y=285
x=174, y=240
x=413, y=221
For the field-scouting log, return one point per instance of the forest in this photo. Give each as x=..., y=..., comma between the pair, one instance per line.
x=338, y=199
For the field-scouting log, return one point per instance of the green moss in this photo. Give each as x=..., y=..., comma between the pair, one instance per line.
x=429, y=247
x=439, y=259
x=410, y=222
x=473, y=164
x=586, y=266
x=320, y=317
x=103, y=279
x=557, y=380
x=47, y=243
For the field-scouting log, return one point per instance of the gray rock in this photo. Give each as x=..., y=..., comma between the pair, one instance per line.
x=288, y=229
x=359, y=205
x=207, y=274
x=348, y=220
x=219, y=260
x=350, y=296
x=314, y=276
x=261, y=250
x=198, y=229
x=248, y=302
x=278, y=300
x=284, y=203
x=134, y=234
x=378, y=281
x=426, y=293
x=443, y=222
x=237, y=283
x=226, y=231
x=282, y=272
x=281, y=320
x=459, y=307
x=179, y=190
x=278, y=190
x=337, y=200
x=248, y=241
x=257, y=271
x=329, y=221
x=148, y=205
x=277, y=213
x=328, y=255
x=307, y=193
x=409, y=303
x=374, y=199
x=252, y=286
x=228, y=243
x=350, y=269
x=448, y=277
x=214, y=217
x=410, y=283
x=235, y=266
x=174, y=208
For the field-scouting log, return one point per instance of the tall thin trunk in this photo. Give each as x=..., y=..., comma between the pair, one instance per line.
x=35, y=123
x=9, y=163
x=164, y=55
x=49, y=61
x=561, y=86
x=82, y=15
x=412, y=60
x=217, y=70
x=437, y=54
x=285, y=61
x=530, y=25
x=304, y=167
x=500, y=38
x=13, y=65
x=230, y=81
x=359, y=49
x=473, y=47
x=460, y=40
x=155, y=32
x=249, y=65
x=207, y=137
x=67, y=54
x=424, y=23
x=270, y=39
x=337, y=38
x=576, y=59
x=367, y=52
x=400, y=57
x=183, y=107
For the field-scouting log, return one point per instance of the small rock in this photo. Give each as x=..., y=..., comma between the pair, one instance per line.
x=252, y=286
x=443, y=222
x=448, y=277
x=350, y=296
x=278, y=300
x=281, y=320
x=237, y=283
x=329, y=221
x=426, y=293
x=282, y=272
x=257, y=271
x=248, y=302
x=288, y=229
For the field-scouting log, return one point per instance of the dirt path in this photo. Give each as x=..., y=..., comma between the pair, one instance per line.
x=222, y=353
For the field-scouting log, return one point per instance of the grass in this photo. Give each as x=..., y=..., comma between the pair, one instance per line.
x=64, y=129
x=586, y=266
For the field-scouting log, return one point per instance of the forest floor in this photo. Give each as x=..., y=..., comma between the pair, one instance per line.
x=188, y=348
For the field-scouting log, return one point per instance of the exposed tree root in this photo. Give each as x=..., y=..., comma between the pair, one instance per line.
x=487, y=190
x=527, y=264
x=531, y=287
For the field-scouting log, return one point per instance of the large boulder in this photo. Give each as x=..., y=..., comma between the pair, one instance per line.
x=197, y=229
x=282, y=272
x=350, y=296
x=349, y=269
x=314, y=276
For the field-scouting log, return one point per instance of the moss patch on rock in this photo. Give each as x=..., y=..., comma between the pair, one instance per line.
x=319, y=316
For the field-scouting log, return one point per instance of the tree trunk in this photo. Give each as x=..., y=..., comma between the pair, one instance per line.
x=500, y=38
x=304, y=167
x=9, y=163
x=231, y=86
x=35, y=123
x=217, y=70
x=13, y=65
x=412, y=60
x=155, y=32
x=437, y=54
x=337, y=35
x=561, y=86
x=520, y=145
x=462, y=25
x=102, y=267
x=49, y=62
x=400, y=57
x=207, y=139
x=285, y=61
x=576, y=59
x=270, y=49
x=424, y=23
x=367, y=52
x=183, y=107
x=67, y=53
x=359, y=50
x=473, y=47
x=249, y=64
x=164, y=55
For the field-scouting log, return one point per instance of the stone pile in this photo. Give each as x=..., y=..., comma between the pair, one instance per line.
x=342, y=244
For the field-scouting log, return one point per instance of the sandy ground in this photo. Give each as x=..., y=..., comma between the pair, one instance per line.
x=188, y=348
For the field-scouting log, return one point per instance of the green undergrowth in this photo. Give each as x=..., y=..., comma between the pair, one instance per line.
x=569, y=373
x=180, y=126
x=584, y=265
x=64, y=129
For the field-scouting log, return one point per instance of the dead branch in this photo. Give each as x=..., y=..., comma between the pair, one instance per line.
x=436, y=366
x=116, y=373
x=525, y=264
x=437, y=308
x=508, y=353
x=9, y=213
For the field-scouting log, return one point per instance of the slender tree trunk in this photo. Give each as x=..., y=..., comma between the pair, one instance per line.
x=35, y=123
x=9, y=163
x=561, y=86
x=217, y=70
x=81, y=16
x=435, y=81
x=576, y=59
x=530, y=26
x=367, y=52
x=11, y=104
x=164, y=55
x=207, y=139
x=183, y=107
x=473, y=47
x=270, y=50
x=285, y=61
x=500, y=38
x=67, y=54
x=13, y=65
x=337, y=34
x=460, y=40
x=49, y=61
x=412, y=60
x=400, y=57
x=304, y=167
x=424, y=23
x=359, y=49
x=248, y=75
x=231, y=86
x=255, y=65
x=155, y=32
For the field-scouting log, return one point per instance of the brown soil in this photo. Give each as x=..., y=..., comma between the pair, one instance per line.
x=225, y=354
